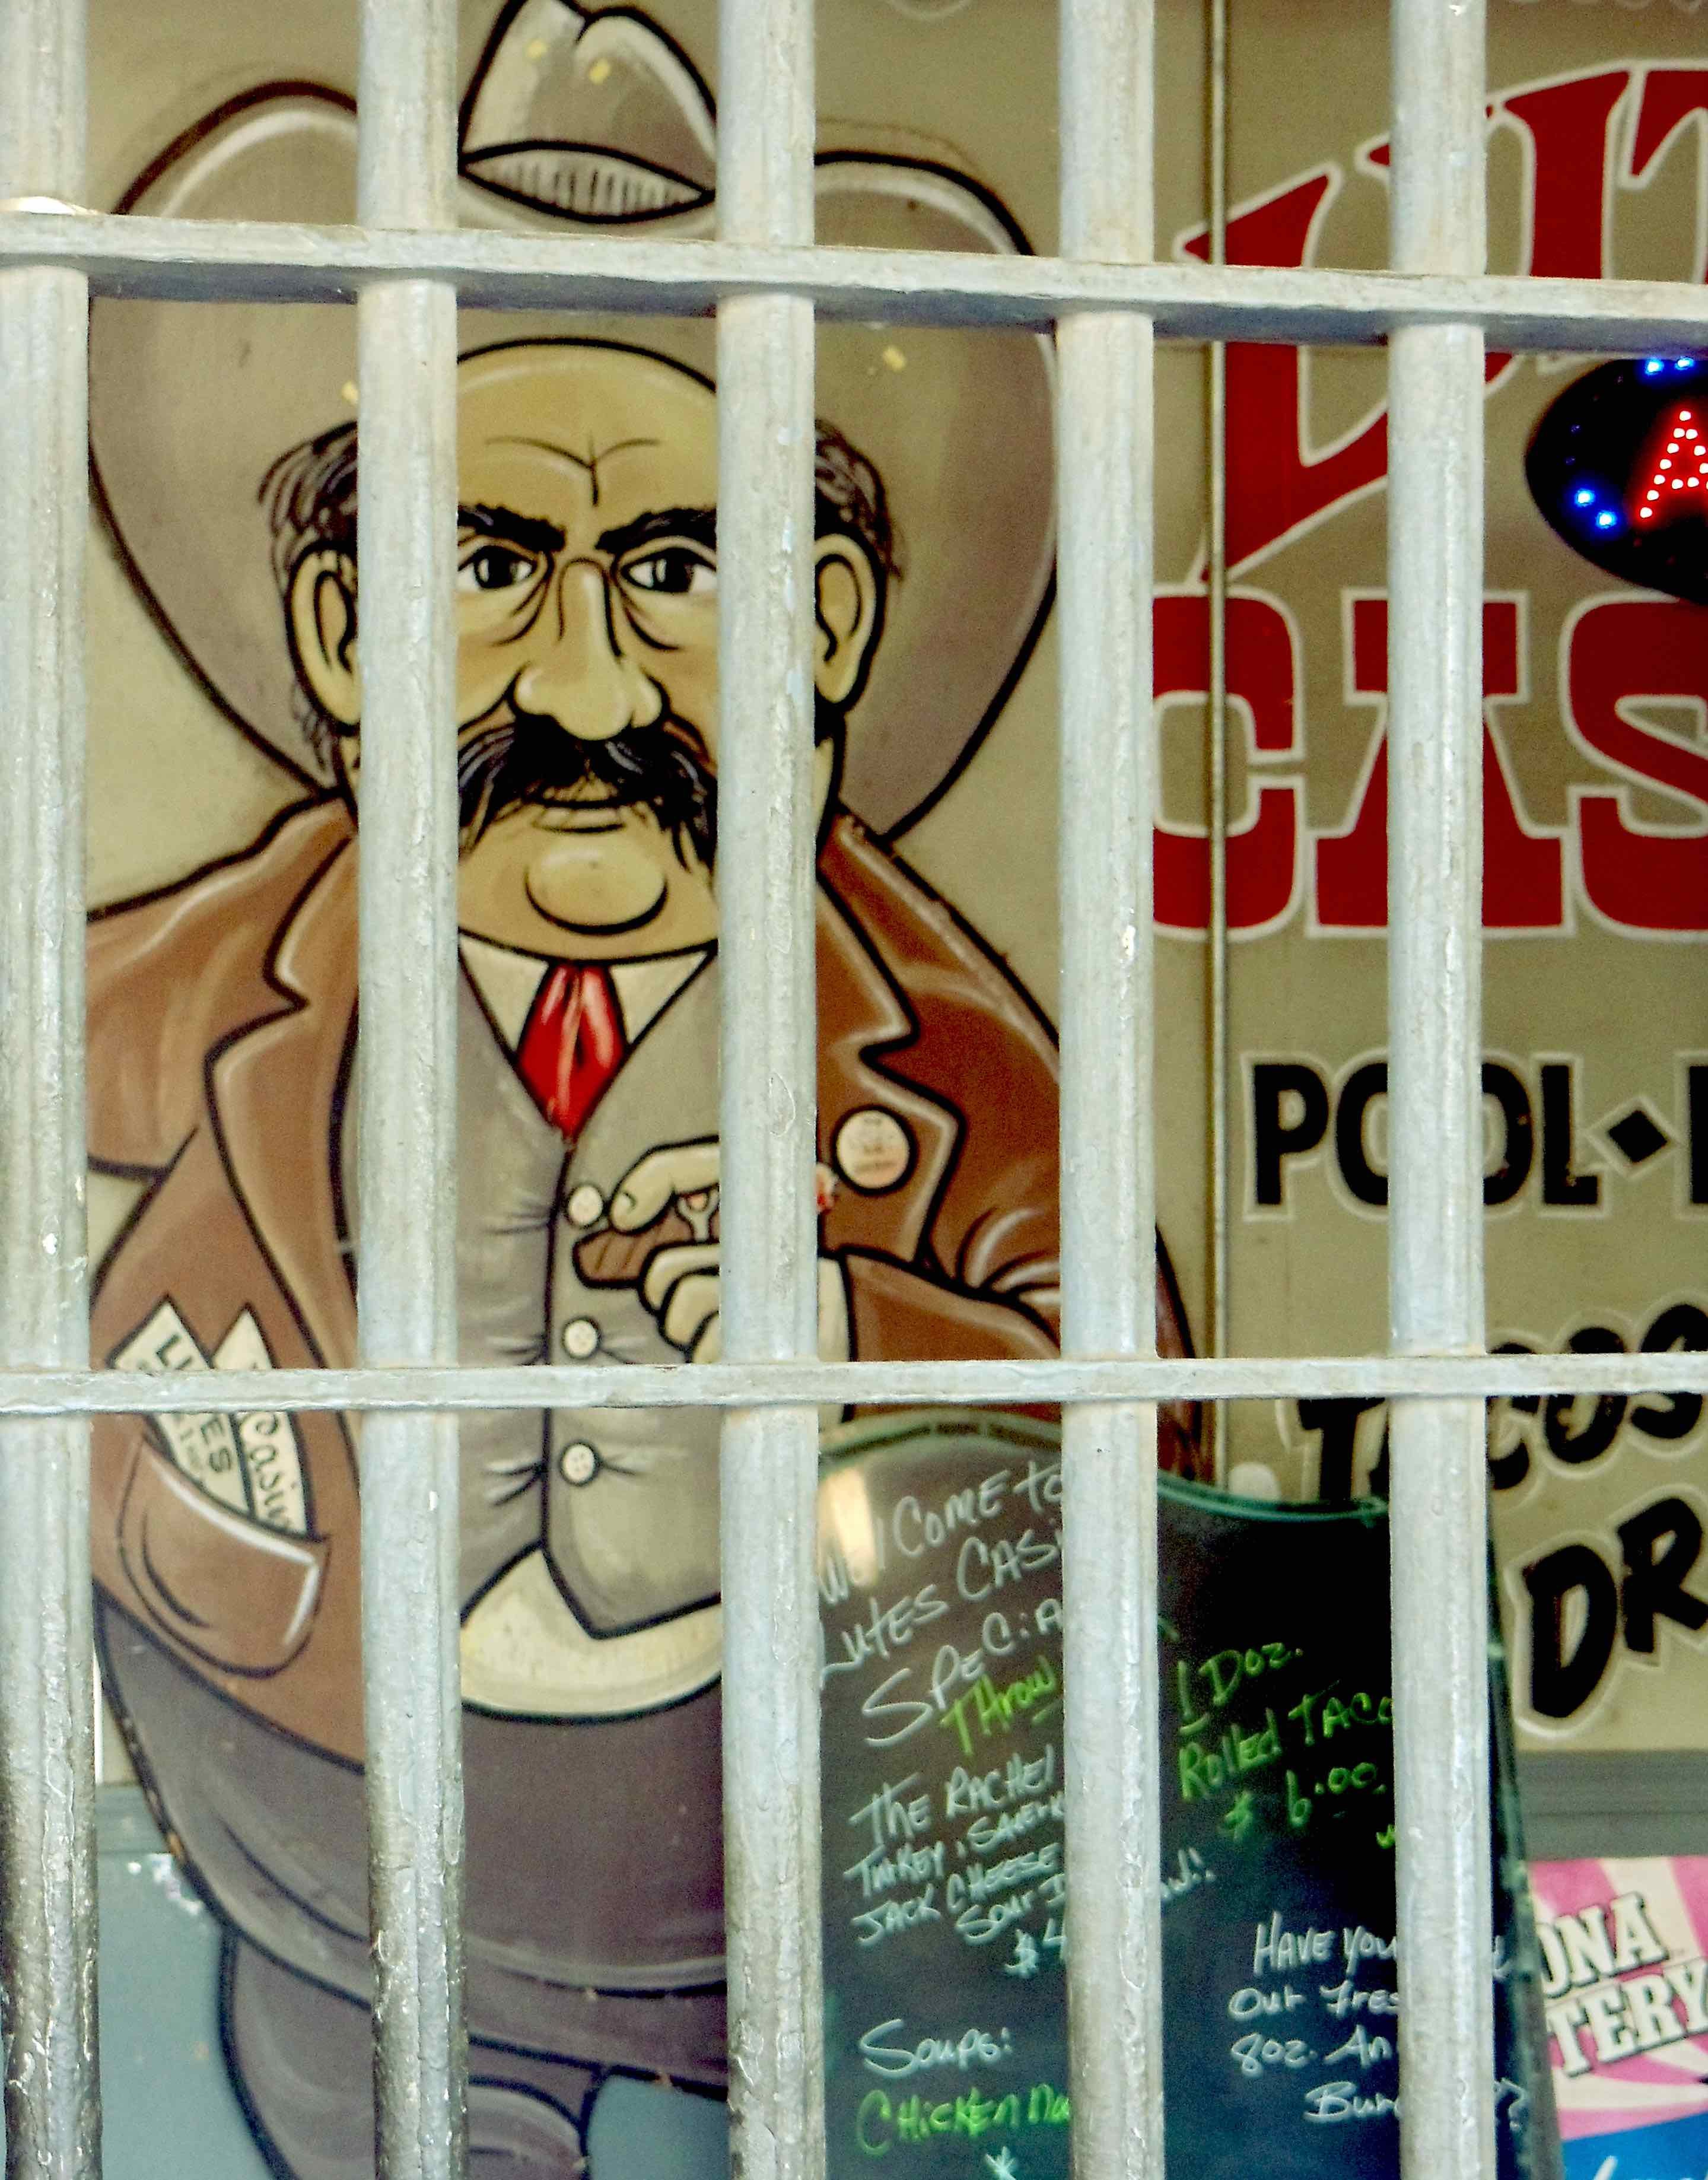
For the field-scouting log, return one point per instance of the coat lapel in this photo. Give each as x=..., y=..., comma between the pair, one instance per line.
x=272, y=1090
x=862, y=1014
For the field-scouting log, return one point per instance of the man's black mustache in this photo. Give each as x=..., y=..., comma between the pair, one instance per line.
x=527, y=758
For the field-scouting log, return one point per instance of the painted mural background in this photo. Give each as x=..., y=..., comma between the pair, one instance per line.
x=1597, y=1125
x=1596, y=786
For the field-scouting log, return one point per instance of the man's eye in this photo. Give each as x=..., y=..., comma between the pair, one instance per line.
x=677, y=570
x=493, y=568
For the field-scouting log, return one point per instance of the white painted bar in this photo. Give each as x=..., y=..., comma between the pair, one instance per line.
x=187, y=259
x=1218, y=996
x=1108, y=1221
x=47, y=1907
x=1435, y=1227
x=27, y=1392
x=406, y=1282
x=769, y=1045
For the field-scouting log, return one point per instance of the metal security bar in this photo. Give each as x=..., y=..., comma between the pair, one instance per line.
x=769, y=1057
x=183, y=260
x=1438, y=1493
x=48, y=2011
x=1109, y=1646
x=1218, y=1116
x=406, y=268
x=24, y=1392
x=406, y=334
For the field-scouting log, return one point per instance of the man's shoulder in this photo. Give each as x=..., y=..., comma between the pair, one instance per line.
x=172, y=975
x=250, y=891
x=940, y=965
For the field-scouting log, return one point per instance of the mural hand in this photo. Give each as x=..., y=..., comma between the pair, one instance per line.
x=647, y=1216
x=682, y=1288
x=678, y=1175
x=676, y=1187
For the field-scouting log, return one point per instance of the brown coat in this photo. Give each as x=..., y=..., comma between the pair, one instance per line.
x=220, y=1015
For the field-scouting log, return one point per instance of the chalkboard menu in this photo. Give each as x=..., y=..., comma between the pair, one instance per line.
x=944, y=1877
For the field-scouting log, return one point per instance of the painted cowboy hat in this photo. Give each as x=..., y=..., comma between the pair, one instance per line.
x=577, y=121
x=1618, y=467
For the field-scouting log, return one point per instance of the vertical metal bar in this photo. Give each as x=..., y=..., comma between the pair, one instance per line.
x=764, y=872
x=48, y=1913
x=1108, y=1221
x=1216, y=582
x=406, y=1109
x=1435, y=1237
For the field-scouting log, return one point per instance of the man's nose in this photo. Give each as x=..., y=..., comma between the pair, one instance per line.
x=580, y=673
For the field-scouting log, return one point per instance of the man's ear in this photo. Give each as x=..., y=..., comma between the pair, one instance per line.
x=321, y=610
x=848, y=606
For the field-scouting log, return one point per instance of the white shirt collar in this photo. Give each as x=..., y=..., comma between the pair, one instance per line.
x=509, y=983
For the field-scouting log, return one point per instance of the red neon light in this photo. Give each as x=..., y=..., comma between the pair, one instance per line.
x=1674, y=465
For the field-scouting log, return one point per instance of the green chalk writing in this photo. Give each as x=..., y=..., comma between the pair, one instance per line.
x=881, y=2123
x=992, y=1709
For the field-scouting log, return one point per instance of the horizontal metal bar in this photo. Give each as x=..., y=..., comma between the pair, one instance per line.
x=188, y=260
x=849, y=1385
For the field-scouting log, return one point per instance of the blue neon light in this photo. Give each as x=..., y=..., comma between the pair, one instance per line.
x=1583, y=496
x=1606, y=519
x=1652, y=367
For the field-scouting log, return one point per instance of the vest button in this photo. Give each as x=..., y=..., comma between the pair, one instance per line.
x=578, y=1463
x=581, y=1337
x=585, y=1204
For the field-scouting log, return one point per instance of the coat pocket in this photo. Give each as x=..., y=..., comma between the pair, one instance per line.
x=235, y=1593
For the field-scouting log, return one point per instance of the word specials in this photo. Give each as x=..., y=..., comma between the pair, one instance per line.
x=990, y=1551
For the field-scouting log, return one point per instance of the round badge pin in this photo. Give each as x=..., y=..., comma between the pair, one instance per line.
x=873, y=1150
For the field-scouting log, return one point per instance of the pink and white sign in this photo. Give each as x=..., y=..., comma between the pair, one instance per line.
x=1625, y=1959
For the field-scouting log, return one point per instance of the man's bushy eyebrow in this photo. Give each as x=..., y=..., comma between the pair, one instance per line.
x=526, y=531
x=697, y=524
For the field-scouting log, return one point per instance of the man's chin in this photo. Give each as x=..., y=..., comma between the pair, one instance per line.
x=571, y=879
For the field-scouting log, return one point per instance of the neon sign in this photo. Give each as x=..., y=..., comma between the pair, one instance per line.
x=1673, y=465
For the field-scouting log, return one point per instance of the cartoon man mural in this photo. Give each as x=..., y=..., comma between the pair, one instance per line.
x=223, y=1044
